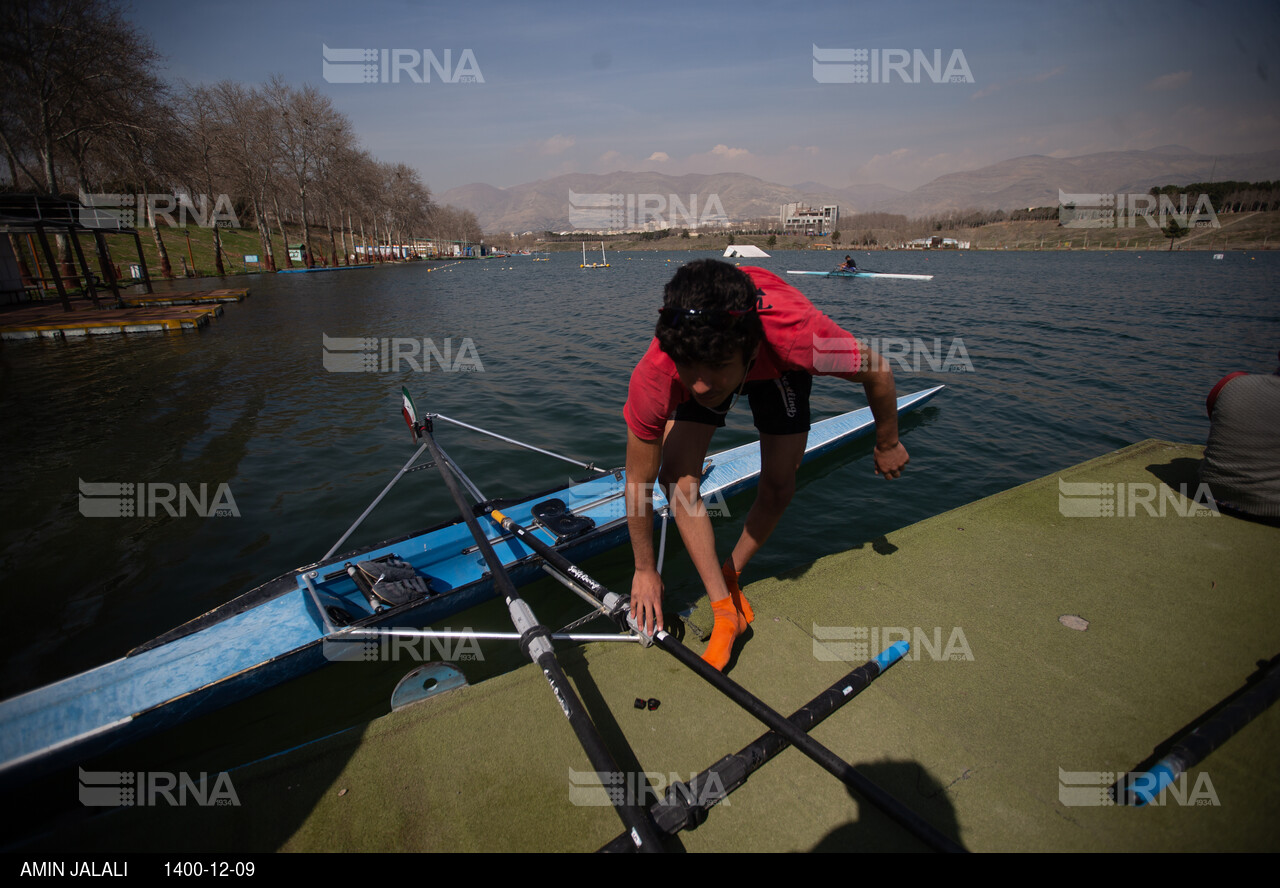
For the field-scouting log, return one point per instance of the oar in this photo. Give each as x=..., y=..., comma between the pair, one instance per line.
x=536, y=644
x=1144, y=787
x=685, y=805
x=835, y=765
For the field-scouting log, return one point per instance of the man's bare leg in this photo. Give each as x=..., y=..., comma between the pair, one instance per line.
x=780, y=458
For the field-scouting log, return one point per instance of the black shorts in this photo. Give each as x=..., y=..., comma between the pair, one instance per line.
x=778, y=406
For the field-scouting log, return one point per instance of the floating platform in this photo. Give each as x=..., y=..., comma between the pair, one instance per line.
x=1051, y=654
x=51, y=322
x=199, y=297
x=171, y=312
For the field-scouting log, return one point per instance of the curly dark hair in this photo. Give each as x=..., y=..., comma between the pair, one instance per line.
x=701, y=329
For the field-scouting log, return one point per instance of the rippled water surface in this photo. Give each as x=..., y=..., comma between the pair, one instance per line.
x=1071, y=355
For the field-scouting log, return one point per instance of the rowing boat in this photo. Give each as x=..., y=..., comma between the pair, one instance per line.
x=321, y=612
x=866, y=274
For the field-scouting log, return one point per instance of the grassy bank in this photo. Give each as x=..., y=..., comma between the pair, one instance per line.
x=190, y=251
x=1238, y=231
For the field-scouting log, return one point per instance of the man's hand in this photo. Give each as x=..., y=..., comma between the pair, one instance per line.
x=646, y=600
x=890, y=461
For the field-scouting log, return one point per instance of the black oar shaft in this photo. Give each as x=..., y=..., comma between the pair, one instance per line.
x=686, y=807
x=536, y=642
x=752, y=704
x=1144, y=787
x=833, y=764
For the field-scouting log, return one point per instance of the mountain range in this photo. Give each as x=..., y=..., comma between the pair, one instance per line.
x=557, y=204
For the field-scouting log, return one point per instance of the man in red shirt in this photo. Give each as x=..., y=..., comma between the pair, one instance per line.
x=723, y=332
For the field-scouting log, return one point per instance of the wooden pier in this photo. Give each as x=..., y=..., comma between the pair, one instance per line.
x=203, y=297
x=173, y=312
x=103, y=305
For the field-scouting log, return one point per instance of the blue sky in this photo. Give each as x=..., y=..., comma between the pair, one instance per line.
x=701, y=87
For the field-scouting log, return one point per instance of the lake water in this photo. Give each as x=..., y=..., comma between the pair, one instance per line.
x=1052, y=359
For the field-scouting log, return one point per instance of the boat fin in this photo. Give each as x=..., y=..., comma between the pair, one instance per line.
x=425, y=682
x=555, y=516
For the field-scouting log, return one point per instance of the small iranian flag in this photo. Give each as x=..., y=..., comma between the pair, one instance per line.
x=407, y=408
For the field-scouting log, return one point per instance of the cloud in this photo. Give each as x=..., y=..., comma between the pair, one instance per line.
x=1169, y=81
x=557, y=144
x=659, y=157
x=730, y=153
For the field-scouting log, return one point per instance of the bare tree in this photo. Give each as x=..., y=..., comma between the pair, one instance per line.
x=310, y=131
x=203, y=128
x=140, y=156
x=246, y=145
x=70, y=70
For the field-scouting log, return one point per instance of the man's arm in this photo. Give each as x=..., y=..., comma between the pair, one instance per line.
x=644, y=458
x=882, y=396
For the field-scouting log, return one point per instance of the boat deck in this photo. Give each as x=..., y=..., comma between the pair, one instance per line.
x=997, y=727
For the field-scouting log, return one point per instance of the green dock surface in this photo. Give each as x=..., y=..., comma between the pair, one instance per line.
x=1050, y=655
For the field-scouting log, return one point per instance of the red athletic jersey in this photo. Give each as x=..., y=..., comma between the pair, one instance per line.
x=797, y=336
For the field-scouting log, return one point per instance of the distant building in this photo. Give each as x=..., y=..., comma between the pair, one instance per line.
x=804, y=219
x=937, y=243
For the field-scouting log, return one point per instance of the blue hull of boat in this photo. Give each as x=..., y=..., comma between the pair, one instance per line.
x=322, y=268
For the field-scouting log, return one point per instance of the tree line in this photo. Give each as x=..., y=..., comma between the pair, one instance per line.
x=1227, y=197
x=82, y=109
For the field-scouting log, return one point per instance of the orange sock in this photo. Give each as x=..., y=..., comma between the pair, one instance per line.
x=739, y=600
x=728, y=626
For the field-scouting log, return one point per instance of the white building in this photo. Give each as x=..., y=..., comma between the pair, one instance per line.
x=804, y=219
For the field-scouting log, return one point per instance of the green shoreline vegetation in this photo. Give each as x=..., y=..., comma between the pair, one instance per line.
x=1237, y=231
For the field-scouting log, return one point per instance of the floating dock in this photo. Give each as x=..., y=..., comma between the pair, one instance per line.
x=1057, y=644
x=201, y=297
x=173, y=312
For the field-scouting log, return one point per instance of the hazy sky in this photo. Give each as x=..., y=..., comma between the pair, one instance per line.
x=732, y=87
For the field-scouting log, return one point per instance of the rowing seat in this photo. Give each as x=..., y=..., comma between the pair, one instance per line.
x=391, y=580
x=555, y=516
